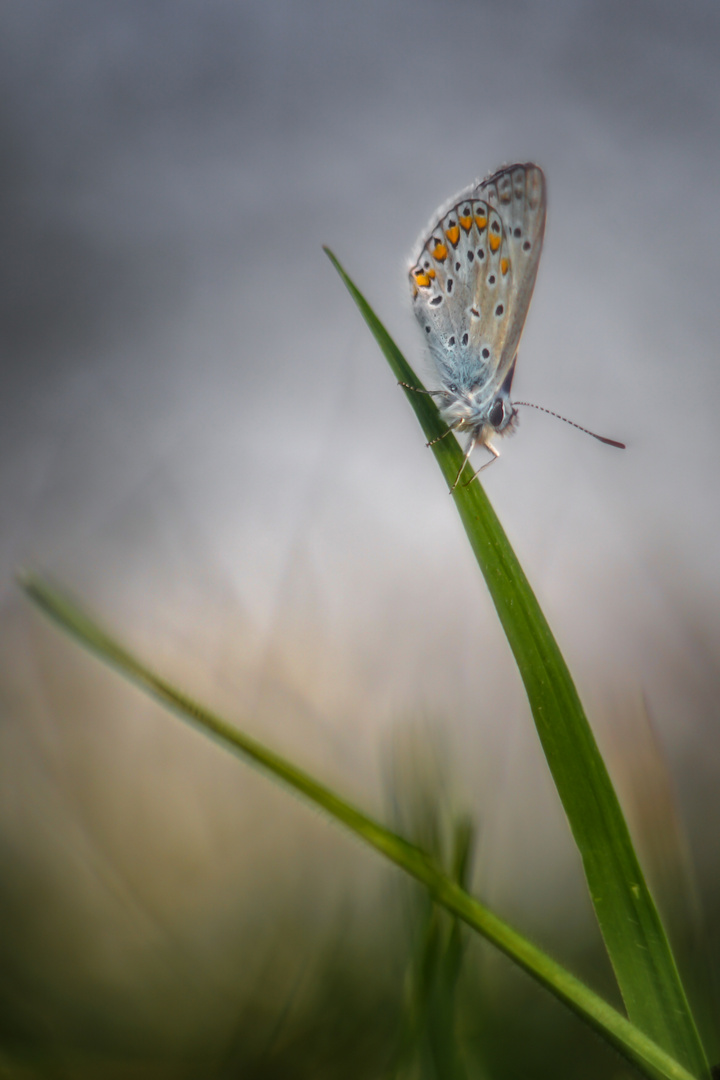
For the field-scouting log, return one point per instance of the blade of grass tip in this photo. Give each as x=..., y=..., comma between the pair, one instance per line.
x=643, y=1052
x=629, y=921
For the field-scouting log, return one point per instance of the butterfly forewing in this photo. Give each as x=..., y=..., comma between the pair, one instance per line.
x=518, y=194
x=491, y=306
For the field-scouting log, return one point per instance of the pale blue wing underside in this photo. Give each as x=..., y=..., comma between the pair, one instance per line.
x=473, y=278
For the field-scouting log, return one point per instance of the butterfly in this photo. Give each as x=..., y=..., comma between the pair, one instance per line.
x=471, y=285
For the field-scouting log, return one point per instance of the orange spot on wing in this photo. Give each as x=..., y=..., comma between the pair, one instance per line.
x=440, y=252
x=466, y=223
x=494, y=243
x=431, y=273
x=453, y=235
x=504, y=266
x=480, y=221
x=422, y=279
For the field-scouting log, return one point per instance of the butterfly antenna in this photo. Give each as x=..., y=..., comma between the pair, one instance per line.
x=600, y=438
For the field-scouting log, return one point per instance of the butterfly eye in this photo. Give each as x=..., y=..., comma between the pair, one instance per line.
x=497, y=414
x=452, y=388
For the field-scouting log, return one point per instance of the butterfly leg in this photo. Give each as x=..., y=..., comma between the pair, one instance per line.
x=470, y=447
x=495, y=455
x=439, y=437
x=419, y=389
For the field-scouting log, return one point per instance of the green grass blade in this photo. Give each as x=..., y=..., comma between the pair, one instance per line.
x=629, y=921
x=646, y=1055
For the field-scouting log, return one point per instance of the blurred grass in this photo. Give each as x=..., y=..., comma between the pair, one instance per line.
x=647, y=1055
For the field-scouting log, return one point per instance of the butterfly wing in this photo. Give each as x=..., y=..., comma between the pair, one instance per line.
x=474, y=275
x=517, y=193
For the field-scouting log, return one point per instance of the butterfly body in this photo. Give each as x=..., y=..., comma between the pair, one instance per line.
x=471, y=284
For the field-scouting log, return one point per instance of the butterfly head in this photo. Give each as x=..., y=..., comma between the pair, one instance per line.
x=474, y=411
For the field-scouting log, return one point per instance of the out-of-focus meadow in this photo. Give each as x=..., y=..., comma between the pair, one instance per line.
x=199, y=437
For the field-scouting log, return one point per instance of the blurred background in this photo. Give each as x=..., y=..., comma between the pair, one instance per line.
x=200, y=439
